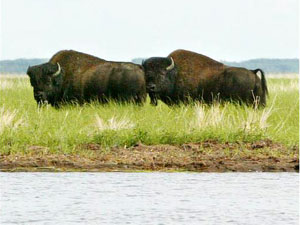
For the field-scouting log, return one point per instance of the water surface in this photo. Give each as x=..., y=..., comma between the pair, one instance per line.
x=149, y=198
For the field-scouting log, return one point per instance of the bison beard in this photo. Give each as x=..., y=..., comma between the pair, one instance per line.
x=153, y=98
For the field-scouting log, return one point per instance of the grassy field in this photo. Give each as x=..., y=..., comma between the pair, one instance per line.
x=68, y=130
x=23, y=125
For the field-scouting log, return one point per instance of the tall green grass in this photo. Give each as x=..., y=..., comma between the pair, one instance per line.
x=64, y=130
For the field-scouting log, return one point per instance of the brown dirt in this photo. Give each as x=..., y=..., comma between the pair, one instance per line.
x=208, y=156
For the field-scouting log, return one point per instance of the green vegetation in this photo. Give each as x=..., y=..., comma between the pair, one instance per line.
x=64, y=130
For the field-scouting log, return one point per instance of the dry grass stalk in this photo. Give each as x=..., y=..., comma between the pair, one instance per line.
x=212, y=116
x=8, y=120
x=113, y=124
x=224, y=118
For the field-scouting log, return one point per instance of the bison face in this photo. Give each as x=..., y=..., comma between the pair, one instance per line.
x=160, y=74
x=46, y=80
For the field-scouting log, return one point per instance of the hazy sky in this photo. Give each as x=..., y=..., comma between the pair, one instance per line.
x=122, y=30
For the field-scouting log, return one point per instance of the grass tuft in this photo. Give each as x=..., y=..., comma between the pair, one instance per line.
x=113, y=124
x=8, y=120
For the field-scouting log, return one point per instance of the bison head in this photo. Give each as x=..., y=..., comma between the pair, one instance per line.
x=46, y=80
x=160, y=74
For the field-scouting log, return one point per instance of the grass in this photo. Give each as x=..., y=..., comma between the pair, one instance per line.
x=23, y=125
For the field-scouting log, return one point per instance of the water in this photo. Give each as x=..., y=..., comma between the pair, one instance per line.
x=149, y=198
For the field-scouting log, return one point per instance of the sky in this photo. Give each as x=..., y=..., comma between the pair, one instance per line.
x=231, y=30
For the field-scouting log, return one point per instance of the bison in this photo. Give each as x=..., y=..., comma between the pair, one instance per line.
x=184, y=76
x=74, y=76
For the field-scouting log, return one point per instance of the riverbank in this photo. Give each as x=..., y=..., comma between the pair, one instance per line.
x=207, y=156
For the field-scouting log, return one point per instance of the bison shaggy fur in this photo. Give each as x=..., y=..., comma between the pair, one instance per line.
x=186, y=76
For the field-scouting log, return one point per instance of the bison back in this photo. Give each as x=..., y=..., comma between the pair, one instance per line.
x=196, y=73
x=118, y=81
x=74, y=63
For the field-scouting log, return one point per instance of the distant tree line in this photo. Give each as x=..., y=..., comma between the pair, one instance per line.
x=267, y=65
x=19, y=66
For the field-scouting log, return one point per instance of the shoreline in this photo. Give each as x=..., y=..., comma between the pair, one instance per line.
x=207, y=156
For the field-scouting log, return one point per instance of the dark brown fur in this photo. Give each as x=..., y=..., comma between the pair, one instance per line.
x=83, y=79
x=120, y=81
x=74, y=63
x=198, y=77
x=196, y=73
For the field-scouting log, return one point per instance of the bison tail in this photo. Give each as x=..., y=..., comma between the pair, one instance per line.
x=263, y=81
x=264, y=87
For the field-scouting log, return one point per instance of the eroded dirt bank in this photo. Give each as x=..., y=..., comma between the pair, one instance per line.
x=208, y=156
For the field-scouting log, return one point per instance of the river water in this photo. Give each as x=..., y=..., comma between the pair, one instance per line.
x=149, y=198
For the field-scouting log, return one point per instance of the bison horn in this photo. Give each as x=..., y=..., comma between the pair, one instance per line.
x=58, y=70
x=172, y=65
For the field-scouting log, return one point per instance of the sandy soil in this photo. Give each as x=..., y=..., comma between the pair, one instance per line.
x=208, y=156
